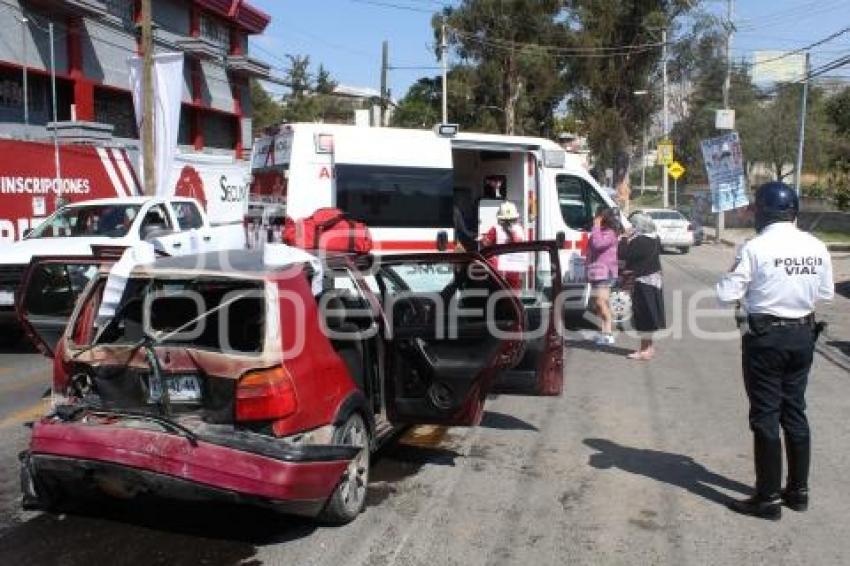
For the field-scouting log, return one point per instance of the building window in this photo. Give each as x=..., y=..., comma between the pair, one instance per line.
x=123, y=9
x=219, y=130
x=116, y=107
x=184, y=131
x=38, y=97
x=214, y=30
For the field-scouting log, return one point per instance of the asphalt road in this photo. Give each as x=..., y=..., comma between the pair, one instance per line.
x=632, y=465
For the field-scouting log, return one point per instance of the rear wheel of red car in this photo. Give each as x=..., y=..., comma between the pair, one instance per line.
x=349, y=497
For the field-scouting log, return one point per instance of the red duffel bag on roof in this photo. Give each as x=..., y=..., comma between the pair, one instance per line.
x=328, y=229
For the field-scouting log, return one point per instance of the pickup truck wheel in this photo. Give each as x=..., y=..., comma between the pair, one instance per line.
x=349, y=497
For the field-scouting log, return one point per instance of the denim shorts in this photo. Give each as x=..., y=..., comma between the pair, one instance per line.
x=603, y=283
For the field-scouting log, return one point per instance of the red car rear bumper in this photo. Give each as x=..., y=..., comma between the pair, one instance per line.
x=165, y=462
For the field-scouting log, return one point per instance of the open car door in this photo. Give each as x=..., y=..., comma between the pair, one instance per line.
x=48, y=293
x=533, y=270
x=450, y=325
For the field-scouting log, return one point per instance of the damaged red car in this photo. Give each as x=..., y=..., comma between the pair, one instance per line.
x=224, y=377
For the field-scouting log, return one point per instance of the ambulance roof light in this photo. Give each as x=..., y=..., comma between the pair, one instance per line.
x=446, y=130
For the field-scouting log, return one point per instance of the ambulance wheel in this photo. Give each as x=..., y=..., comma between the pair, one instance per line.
x=349, y=497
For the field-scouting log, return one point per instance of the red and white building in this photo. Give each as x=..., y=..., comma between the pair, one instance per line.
x=93, y=40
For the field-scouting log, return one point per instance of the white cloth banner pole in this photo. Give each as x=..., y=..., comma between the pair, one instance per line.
x=168, y=95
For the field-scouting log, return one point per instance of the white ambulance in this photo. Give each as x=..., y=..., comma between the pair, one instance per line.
x=405, y=184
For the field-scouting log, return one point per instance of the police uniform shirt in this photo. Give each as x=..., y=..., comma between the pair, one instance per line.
x=780, y=272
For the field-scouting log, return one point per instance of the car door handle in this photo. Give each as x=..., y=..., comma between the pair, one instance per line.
x=207, y=238
x=177, y=245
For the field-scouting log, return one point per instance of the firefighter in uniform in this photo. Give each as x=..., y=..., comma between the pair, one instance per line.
x=778, y=276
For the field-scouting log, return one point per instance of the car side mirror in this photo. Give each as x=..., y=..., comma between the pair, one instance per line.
x=26, y=232
x=442, y=240
x=560, y=239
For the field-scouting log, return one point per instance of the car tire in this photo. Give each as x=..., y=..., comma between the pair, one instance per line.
x=685, y=249
x=349, y=497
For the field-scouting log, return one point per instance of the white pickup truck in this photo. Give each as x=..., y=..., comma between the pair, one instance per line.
x=178, y=225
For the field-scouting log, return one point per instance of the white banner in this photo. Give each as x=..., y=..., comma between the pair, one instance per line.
x=167, y=95
x=218, y=182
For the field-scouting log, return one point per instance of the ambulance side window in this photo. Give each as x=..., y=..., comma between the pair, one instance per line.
x=578, y=201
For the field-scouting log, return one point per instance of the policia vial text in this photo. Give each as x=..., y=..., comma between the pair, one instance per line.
x=799, y=265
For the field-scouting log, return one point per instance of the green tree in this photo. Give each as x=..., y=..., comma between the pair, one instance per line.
x=514, y=82
x=266, y=111
x=421, y=107
x=605, y=80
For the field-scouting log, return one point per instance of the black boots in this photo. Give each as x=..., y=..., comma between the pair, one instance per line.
x=765, y=504
x=796, y=499
x=796, y=493
x=759, y=506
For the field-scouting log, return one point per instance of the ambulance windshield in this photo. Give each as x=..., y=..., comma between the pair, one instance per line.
x=106, y=220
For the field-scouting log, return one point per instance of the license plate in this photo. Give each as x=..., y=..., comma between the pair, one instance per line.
x=7, y=298
x=181, y=389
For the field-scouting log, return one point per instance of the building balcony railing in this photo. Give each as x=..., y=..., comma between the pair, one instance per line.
x=246, y=65
x=200, y=47
x=90, y=8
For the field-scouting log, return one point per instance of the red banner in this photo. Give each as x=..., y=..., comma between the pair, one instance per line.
x=30, y=189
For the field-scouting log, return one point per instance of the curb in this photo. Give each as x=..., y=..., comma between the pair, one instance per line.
x=833, y=247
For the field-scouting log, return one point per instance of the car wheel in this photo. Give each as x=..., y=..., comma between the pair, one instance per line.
x=685, y=249
x=349, y=497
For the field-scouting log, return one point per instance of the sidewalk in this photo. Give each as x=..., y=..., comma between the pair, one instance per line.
x=835, y=343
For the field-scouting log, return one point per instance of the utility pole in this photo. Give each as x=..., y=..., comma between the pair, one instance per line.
x=665, y=182
x=385, y=57
x=727, y=86
x=149, y=169
x=643, y=163
x=444, y=64
x=798, y=173
x=26, y=101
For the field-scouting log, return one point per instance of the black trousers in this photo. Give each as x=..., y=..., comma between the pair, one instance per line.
x=776, y=364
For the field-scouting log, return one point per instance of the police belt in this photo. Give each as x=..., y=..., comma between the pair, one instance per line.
x=762, y=321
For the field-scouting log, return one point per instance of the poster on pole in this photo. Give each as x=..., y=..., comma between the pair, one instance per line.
x=724, y=164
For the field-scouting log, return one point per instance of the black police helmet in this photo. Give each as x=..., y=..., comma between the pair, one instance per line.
x=775, y=202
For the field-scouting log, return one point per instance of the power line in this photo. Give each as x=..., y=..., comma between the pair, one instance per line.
x=579, y=51
x=804, y=48
x=393, y=6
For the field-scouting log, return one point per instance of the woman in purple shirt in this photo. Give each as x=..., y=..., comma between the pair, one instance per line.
x=602, y=267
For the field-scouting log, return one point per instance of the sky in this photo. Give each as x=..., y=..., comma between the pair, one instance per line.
x=345, y=35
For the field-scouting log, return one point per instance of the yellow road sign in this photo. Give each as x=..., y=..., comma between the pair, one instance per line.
x=665, y=153
x=676, y=170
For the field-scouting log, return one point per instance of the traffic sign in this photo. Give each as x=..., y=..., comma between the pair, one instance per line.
x=676, y=170
x=665, y=153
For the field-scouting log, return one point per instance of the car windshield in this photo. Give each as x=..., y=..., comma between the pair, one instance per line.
x=107, y=220
x=222, y=314
x=666, y=215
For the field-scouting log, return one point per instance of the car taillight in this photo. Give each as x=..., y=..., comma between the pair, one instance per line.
x=265, y=395
x=690, y=227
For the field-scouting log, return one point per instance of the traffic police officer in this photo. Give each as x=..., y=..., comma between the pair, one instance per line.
x=778, y=276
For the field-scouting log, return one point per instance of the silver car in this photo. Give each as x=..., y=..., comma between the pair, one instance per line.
x=674, y=230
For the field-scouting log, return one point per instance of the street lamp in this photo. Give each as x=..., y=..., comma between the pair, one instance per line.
x=24, y=22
